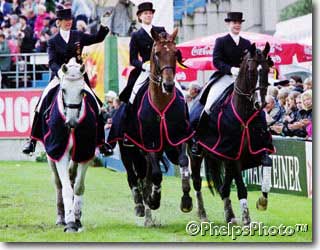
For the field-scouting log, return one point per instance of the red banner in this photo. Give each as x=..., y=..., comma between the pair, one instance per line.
x=16, y=112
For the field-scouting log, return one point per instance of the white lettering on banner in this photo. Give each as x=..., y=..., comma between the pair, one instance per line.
x=16, y=114
x=285, y=170
x=2, y=126
x=181, y=76
x=276, y=59
x=9, y=114
x=202, y=51
x=21, y=121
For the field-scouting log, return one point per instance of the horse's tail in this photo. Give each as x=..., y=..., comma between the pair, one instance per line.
x=214, y=174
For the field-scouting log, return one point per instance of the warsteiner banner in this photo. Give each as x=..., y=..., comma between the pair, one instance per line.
x=290, y=172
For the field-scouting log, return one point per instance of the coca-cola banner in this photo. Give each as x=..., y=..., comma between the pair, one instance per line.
x=16, y=112
x=281, y=51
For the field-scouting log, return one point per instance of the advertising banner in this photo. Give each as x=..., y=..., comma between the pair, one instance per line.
x=93, y=57
x=289, y=170
x=16, y=112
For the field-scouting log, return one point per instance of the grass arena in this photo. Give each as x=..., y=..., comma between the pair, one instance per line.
x=27, y=204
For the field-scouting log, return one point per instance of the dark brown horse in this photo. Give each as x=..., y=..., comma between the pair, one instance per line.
x=162, y=92
x=246, y=103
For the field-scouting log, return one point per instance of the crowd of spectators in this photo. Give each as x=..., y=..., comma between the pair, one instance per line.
x=289, y=108
x=27, y=25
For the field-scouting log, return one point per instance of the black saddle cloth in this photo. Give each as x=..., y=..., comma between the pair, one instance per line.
x=152, y=130
x=226, y=133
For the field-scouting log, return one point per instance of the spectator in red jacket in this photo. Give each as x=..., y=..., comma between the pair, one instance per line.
x=39, y=23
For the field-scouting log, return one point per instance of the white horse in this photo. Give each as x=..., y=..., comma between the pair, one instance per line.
x=67, y=159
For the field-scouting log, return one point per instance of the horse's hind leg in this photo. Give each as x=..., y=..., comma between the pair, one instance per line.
x=60, y=207
x=127, y=159
x=225, y=192
x=186, y=201
x=242, y=194
x=79, y=188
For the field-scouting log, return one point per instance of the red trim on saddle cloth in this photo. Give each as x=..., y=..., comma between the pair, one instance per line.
x=245, y=133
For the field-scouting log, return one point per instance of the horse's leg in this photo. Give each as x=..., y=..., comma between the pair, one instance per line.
x=262, y=202
x=197, y=183
x=79, y=188
x=60, y=207
x=225, y=192
x=186, y=201
x=242, y=193
x=146, y=191
x=67, y=193
x=127, y=159
x=156, y=179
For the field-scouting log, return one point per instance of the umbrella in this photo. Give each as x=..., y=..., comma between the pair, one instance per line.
x=281, y=52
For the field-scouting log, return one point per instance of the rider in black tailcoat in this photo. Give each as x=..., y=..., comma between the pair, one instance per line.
x=62, y=47
x=140, y=47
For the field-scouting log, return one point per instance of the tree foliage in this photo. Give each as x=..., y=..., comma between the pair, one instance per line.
x=299, y=8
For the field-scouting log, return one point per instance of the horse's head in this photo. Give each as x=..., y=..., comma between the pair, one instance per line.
x=72, y=85
x=255, y=65
x=163, y=60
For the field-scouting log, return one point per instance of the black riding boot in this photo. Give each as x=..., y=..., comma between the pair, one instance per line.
x=126, y=142
x=201, y=128
x=30, y=145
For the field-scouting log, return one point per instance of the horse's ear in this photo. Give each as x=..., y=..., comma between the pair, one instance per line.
x=252, y=50
x=174, y=34
x=82, y=69
x=64, y=68
x=179, y=59
x=155, y=35
x=270, y=62
x=266, y=49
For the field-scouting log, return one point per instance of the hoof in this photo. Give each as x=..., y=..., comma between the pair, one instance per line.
x=71, y=227
x=186, y=203
x=139, y=210
x=262, y=203
x=154, y=200
x=78, y=224
x=246, y=220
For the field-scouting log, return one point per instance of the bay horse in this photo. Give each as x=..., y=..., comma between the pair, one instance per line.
x=70, y=138
x=155, y=130
x=233, y=120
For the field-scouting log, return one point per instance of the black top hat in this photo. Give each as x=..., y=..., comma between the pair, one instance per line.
x=234, y=16
x=64, y=13
x=145, y=6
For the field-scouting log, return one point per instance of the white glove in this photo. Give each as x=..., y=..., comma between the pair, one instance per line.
x=146, y=66
x=235, y=71
x=106, y=19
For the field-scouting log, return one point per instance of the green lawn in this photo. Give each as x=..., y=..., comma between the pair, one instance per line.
x=27, y=210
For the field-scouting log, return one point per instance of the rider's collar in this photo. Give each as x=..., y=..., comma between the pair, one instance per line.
x=65, y=34
x=236, y=38
x=147, y=28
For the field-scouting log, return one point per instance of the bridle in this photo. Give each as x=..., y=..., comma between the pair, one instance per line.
x=250, y=94
x=157, y=77
x=71, y=105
